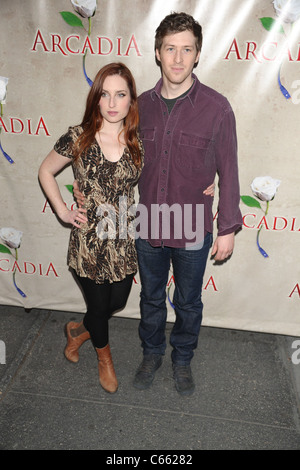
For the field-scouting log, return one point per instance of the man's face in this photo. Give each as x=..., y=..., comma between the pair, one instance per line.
x=178, y=55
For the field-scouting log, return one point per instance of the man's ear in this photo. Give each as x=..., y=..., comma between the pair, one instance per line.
x=157, y=58
x=197, y=59
x=157, y=55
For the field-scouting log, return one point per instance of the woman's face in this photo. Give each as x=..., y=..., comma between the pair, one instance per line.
x=115, y=99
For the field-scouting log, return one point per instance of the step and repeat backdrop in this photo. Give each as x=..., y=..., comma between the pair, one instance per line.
x=251, y=54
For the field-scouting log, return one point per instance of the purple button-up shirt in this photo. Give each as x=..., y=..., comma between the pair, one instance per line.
x=183, y=152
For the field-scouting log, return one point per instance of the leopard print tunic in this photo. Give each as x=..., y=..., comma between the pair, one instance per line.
x=104, y=247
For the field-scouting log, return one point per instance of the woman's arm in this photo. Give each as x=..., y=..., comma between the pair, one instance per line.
x=52, y=164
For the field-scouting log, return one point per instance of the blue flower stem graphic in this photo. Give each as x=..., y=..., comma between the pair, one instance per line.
x=171, y=303
x=10, y=160
x=83, y=60
x=282, y=89
x=262, y=251
x=14, y=277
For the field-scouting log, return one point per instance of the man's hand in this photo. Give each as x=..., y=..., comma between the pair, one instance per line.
x=223, y=247
x=78, y=195
x=210, y=190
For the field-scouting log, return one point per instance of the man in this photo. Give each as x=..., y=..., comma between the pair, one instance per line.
x=188, y=131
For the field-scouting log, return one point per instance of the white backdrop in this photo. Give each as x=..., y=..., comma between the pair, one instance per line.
x=245, y=47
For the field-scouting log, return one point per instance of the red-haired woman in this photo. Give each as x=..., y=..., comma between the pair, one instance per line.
x=106, y=155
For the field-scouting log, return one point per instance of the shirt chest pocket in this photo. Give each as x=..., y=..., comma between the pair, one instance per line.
x=193, y=151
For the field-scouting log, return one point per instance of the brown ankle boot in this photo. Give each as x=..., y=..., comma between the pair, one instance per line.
x=107, y=375
x=74, y=342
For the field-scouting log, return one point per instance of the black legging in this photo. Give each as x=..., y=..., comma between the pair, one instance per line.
x=102, y=300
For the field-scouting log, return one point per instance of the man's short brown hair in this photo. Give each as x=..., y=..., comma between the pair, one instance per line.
x=177, y=23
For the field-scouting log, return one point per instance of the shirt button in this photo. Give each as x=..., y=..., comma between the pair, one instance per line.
x=168, y=132
x=162, y=190
x=164, y=172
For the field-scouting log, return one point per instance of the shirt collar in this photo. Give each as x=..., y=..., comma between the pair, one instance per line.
x=191, y=96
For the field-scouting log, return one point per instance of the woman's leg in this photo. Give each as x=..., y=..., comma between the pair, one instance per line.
x=97, y=297
x=102, y=300
x=119, y=294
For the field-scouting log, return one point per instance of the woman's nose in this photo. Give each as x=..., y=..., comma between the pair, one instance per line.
x=112, y=102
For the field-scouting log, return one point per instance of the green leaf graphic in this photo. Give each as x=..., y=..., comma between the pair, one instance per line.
x=69, y=188
x=4, y=249
x=71, y=19
x=250, y=201
x=269, y=23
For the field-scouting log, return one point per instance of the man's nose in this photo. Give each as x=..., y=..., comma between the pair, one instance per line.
x=178, y=56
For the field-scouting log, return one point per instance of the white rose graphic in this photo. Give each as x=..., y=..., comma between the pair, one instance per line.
x=85, y=8
x=265, y=187
x=288, y=10
x=11, y=237
x=3, y=84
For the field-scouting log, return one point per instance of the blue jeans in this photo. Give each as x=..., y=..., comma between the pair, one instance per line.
x=188, y=269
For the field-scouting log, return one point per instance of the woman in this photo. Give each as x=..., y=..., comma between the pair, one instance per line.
x=106, y=156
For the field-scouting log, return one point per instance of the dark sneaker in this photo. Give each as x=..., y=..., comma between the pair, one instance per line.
x=146, y=371
x=184, y=382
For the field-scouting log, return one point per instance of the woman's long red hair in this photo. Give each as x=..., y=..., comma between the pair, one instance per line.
x=92, y=119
